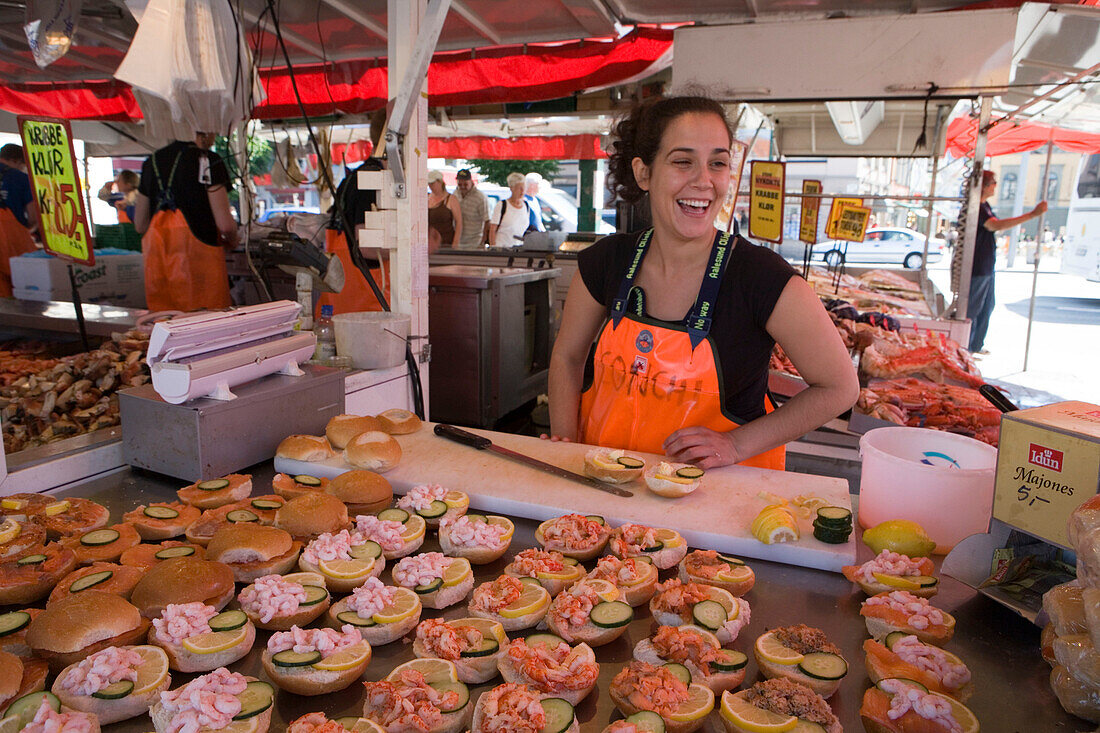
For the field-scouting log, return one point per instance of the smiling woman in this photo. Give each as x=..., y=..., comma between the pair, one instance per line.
x=684, y=317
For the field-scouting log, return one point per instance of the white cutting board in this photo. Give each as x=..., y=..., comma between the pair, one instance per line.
x=715, y=516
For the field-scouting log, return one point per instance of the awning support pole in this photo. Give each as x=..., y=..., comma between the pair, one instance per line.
x=932, y=158
x=1038, y=250
x=974, y=193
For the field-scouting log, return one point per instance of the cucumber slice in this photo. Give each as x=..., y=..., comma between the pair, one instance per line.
x=691, y=472
x=89, y=580
x=906, y=680
x=394, y=514
x=630, y=462
x=351, y=617
x=228, y=621
x=314, y=595
x=730, y=660
x=31, y=560
x=434, y=510
x=834, y=516
x=559, y=715
x=24, y=709
x=654, y=548
x=487, y=647
x=99, y=537
x=643, y=558
x=291, y=658
x=306, y=480
x=160, y=512
x=926, y=581
x=679, y=671
x=13, y=621
x=893, y=637
x=477, y=518
x=115, y=690
x=530, y=581
x=596, y=518
x=831, y=536
x=823, y=666
x=611, y=614
x=709, y=614
x=241, y=515
x=462, y=690
x=730, y=559
x=431, y=587
x=550, y=640
x=648, y=721
x=369, y=550
x=169, y=552
x=213, y=484
x=256, y=698
x=266, y=504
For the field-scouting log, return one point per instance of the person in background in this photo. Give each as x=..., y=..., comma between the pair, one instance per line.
x=512, y=216
x=532, y=181
x=444, y=214
x=121, y=193
x=183, y=211
x=17, y=212
x=981, y=301
x=475, y=212
x=684, y=317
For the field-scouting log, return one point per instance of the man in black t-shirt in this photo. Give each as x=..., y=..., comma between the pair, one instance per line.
x=981, y=301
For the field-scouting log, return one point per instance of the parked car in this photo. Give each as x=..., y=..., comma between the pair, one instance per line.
x=882, y=245
x=268, y=213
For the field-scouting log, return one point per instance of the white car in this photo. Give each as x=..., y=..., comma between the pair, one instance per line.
x=889, y=245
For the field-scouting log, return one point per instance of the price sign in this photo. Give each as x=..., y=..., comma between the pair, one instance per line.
x=51, y=165
x=724, y=220
x=766, y=182
x=834, y=213
x=811, y=206
x=851, y=223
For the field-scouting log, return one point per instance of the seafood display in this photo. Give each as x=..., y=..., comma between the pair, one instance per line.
x=920, y=404
x=44, y=400
x=879, y=290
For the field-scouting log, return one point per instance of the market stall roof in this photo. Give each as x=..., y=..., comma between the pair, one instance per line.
x=1012, y=137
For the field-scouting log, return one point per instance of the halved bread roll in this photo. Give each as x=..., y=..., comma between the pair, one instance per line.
x=137, y=702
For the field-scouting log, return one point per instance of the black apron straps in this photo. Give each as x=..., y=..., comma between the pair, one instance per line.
x=166, y=200
x=619, y=305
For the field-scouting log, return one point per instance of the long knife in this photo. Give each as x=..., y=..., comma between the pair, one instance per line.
x=459, y=435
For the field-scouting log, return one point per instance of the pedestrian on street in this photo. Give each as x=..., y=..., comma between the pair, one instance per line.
x=475, y=212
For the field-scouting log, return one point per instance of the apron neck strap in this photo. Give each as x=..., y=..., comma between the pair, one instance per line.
x=619, y=305
x=702, y=313
x=166, y=200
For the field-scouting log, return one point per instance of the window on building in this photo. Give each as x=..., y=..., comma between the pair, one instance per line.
x=1008, y=187
x=1052, y=184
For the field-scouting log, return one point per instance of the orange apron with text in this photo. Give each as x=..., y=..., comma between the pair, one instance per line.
x=356, y=295
x=650, y=378
x=182, y=273
x=15, y=240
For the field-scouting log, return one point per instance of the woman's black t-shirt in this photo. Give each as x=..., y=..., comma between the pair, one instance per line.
x=198, y=171
x=753, y=281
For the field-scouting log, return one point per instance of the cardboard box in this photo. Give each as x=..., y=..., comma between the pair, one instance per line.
x=1048, y=464
x=114, y=279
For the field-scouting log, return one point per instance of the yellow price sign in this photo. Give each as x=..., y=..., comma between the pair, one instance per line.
x=724, y=220
x=811, y=206
x=834, y=213
x=51, y=165
x=851, y=223
x=766, y=195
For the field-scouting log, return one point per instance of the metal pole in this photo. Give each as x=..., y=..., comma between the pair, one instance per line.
x=969, y=237
x=1038, y=249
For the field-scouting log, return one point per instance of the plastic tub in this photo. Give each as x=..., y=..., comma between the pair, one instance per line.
x=373, y=339
x=942, y=481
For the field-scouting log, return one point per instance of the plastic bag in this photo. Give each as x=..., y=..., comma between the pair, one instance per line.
x=1065, y=606
x=1077, y=698
x=1080, y=658
x=1083, y=519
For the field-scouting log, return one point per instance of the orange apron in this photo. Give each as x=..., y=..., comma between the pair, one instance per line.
x=651, y=378
x=356, y=295
x=182, y=273
x=15, y=240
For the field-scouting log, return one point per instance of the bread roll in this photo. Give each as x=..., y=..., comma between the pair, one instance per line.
x=374, y=451
x=342, y=428
x=310, y=448
x=364, y=492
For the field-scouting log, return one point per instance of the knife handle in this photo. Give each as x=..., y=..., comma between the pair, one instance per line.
x=459, y=435
x=997, y=398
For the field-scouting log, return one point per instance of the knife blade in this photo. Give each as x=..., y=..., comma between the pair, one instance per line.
x=480, y=442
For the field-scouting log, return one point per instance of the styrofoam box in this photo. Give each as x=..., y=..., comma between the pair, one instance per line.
x=113, y=279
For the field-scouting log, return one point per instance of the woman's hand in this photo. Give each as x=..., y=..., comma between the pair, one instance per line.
x=704, y=447
x=555, y=438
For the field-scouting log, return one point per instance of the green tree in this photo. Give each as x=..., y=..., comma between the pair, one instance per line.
x=496, y=171
x=261, y=157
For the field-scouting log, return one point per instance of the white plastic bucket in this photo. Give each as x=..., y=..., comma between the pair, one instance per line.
x=942, y=481
x=373, y=339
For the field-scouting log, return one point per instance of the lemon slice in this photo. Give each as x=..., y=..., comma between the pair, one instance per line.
x=699, y=704
x=675, y=479
x=706, y=634
x=213, y=642
x=249, y=725
x=570, y=572
x=347, y=658
x=735, y=574
x=414, y=528
x=153, y=669
x=896, y=581
x=9, y=530
x=962, y=714
x=456, y=572
x=668, y=537
x=456, y=499
x=742, y=713
x=533, y=598
x=769, y=648
x=724, y=597
x=305, y=578
x=604, y=589
x=603, y=462
x=346, y=569
x=405, y=604
x=434, y=670
x=781, y=534
x=509, y=527
x=57, y=507
x=489, y=629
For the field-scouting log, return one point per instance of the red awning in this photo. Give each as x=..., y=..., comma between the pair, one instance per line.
x=1008, y=137
x=488, y=76
x=561, y=147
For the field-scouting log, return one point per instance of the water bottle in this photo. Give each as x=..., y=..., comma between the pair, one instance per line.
x=326, y=335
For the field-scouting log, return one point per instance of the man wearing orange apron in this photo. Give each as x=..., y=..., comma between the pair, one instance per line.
x=183, y=246
x=16, y=200
x=650, y=378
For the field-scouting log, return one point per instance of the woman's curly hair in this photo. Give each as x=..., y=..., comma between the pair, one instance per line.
x=639, y=133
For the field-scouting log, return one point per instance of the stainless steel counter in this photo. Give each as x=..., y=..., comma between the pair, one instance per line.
x=1000, y=648
x=32, y=317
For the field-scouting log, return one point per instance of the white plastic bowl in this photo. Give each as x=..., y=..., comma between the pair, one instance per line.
x=373, y=339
